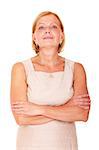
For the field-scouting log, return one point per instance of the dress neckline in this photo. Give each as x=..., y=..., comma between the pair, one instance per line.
x=55, y=72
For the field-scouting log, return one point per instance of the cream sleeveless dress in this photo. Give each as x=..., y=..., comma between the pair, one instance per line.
x=48, y=89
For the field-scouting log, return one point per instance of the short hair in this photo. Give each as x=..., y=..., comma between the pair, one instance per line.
x=45, y=13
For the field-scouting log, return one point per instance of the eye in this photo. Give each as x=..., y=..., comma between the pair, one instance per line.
x=41, y=27
x=54, y=26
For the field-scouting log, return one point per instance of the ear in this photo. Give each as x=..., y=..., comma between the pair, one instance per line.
x=61, y=37
x=33, y=37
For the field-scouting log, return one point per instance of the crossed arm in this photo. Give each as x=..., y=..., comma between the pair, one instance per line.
x=27, y=113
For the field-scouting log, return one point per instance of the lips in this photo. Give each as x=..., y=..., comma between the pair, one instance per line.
x=48, y=37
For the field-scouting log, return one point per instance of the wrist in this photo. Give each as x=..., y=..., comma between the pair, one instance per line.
x=41, y=109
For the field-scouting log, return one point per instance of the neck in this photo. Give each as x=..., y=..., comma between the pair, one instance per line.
x=48, y=57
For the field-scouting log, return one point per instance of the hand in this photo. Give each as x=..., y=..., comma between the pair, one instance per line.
x=26, y=108
x=82, y=101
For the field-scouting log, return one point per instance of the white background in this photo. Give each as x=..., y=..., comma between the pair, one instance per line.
x=81, y=22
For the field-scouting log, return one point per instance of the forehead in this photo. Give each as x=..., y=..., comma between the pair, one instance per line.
x=48, y=19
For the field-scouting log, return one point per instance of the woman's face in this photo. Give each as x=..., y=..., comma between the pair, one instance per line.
x=48, y=32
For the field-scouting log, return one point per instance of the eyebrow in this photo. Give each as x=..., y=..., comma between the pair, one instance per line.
x=41, y=23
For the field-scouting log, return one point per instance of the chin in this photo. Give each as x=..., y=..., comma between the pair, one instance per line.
x=49, y=45
x=48, y=51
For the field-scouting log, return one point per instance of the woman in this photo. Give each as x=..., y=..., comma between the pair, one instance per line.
x=48, y=92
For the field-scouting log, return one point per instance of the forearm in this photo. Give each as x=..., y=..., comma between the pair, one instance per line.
x=66, y=113
x=35, y=120
x=39, y=114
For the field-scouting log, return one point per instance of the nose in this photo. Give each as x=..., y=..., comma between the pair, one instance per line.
x=47, y=30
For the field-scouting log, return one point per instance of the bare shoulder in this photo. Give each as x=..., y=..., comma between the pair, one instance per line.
x=79, y=72
x=79, y=68
x=18, y=66
x=18, y=69
x=80, y=81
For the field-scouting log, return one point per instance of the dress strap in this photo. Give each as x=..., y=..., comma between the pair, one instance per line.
x=69, y=64
x=28, y=66
x=65, y=65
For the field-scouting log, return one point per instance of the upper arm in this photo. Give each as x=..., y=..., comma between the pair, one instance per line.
x=80, y=85
x=18, y=92
x=18, y=87
x=80, y=81
x=18, y=83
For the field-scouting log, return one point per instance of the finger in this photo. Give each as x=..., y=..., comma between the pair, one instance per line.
x=85, y=107
x=86, y=100
x=17, y=103
x=82, y=96
x=83, y=100
x=20, y=112
x=18, y=109
x=84, y=104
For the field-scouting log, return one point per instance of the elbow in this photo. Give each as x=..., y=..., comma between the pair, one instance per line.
x=85, y=116
x=85, y=119
x=20, y=121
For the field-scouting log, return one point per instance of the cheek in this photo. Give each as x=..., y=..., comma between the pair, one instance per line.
x=38, y=36
x=57, y=35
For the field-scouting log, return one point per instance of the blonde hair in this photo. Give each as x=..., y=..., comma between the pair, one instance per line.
x=45, y=13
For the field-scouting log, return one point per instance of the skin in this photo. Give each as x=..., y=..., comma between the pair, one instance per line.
x=48, y=35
